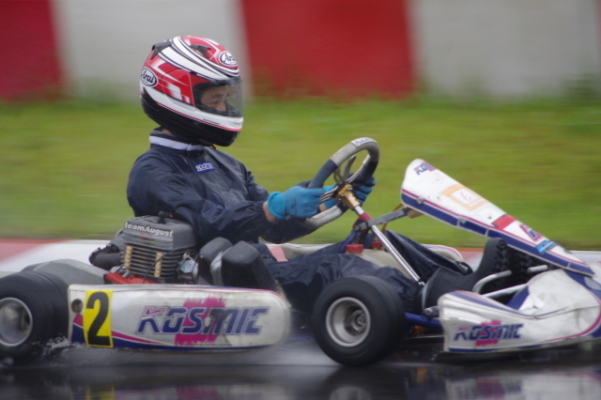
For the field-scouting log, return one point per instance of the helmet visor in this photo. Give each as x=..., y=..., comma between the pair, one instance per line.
x=220, y=98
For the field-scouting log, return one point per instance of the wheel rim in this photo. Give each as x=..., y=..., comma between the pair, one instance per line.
x=348, y=322
x=15, y=322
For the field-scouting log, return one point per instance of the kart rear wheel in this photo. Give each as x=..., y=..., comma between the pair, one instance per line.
x=358, y=320
x=33, y=311
x=519, y=262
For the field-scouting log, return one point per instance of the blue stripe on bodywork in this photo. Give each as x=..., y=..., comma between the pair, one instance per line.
x=119, y=343
x=491, y=232
x=518, y=299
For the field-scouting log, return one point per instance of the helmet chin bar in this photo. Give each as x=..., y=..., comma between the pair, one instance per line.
x=181, y=125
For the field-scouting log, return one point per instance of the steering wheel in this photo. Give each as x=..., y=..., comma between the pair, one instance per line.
x=343, y=159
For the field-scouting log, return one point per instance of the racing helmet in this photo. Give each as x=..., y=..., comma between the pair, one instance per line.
x=191, y=86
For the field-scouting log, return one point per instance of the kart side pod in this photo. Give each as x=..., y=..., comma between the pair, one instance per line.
x=176, y=317
x=555, y=308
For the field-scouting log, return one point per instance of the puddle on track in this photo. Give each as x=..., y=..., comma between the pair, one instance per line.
x=302, y=371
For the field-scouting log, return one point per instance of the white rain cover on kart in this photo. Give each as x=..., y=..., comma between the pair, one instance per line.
x=432, y=192
x=541, y=315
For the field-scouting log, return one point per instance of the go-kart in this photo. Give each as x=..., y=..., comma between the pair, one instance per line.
x=167, y=295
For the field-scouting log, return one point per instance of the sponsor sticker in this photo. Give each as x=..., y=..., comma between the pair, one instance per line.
x=503, y=221
x=465, y=197
x=148, y=229
x=226, y=58
x=534, y=235
x=361, y=141
x=203, y=167
x=423, y=167
x=545, y=246
x=148, y=78
x=200, y=321
x=488, y=333
x=97, y=318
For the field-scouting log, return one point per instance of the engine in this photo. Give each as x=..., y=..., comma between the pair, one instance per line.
x=159, y=248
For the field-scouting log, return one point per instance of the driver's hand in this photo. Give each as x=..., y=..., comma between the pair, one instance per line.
x=298, y=202
x=332, y=202
x=363, y=189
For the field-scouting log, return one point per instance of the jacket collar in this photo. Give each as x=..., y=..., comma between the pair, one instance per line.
x=173, y=142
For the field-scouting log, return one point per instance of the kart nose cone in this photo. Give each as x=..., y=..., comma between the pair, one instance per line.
x=15, y=322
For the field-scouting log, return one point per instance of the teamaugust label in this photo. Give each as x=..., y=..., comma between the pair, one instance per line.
x=148, y=229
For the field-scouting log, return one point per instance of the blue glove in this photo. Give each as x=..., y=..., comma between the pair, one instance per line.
x=332, y=202
x=298, y=202
x=363, y=189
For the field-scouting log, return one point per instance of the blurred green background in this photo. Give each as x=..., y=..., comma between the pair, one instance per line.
x=64, y=165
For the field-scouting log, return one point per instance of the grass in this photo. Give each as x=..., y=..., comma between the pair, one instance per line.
x=64, y=165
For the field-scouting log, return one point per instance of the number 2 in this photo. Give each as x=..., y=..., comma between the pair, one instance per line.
x=97, y=318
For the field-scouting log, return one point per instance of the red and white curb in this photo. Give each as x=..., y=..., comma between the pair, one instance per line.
x=16, y=254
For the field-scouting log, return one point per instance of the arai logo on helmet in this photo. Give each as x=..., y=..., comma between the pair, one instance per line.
x=148, y=77
x=226, y=58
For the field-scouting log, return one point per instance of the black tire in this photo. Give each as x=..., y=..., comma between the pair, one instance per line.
x=33, y=311
x=495, y=255
x=359, y=320
x=519, y=262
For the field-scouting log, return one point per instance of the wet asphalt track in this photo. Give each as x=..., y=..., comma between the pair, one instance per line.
x=301, y=371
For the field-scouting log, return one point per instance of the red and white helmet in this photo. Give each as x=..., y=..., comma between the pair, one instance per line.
x=191, y=86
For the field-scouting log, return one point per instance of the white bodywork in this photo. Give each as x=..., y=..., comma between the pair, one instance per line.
x=432, y=192
x=176, y=317
x=557, y=307
x=553, y=309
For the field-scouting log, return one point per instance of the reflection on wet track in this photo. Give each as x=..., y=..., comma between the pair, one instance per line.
x=302, y=371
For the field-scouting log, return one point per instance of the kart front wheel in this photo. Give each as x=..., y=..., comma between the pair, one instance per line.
x=33, y=311
x=358, y=320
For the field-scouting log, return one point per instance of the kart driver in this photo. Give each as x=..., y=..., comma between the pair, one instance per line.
x=190, y=86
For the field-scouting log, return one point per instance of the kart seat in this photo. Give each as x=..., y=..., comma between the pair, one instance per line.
x=292, y=250
x=378, y=257
x=447, y=252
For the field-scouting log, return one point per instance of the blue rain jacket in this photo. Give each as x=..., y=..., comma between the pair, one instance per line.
x=207, y=188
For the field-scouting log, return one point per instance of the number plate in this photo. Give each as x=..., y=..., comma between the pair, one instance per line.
x=97, y=318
